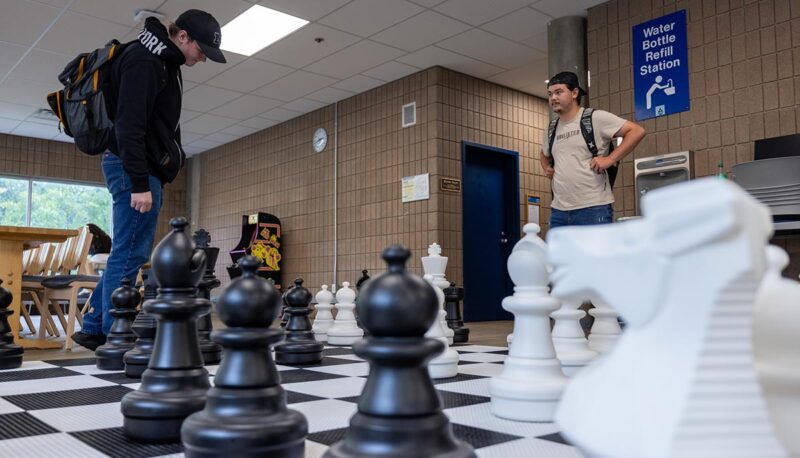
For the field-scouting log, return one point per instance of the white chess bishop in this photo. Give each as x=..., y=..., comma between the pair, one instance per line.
x=345, y=330
x=434, y=265
x=681, y=381
x=777, y=347
x=445, y=365
x=324, y=318
x=532, y=381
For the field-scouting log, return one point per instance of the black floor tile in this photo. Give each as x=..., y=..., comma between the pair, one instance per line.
x=68, y=398
x=22, y=424
x=114, y=443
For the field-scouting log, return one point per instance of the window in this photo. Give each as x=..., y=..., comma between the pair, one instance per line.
x=62, y=205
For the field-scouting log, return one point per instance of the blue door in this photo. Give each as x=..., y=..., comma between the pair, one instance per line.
x=490, y=178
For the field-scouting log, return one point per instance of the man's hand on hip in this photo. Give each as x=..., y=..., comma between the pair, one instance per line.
x=600, y=163
x=549, y=172
x=142, y=202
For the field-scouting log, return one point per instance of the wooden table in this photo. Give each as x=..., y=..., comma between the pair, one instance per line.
x=13, y=240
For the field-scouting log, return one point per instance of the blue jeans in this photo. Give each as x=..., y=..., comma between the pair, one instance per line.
x=132, y=242
x=599, y=214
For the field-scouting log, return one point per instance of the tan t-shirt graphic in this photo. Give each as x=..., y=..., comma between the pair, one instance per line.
x=575, y=185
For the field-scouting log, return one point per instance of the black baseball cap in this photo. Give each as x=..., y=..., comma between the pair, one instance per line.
x=568, y=78
x=204, y=29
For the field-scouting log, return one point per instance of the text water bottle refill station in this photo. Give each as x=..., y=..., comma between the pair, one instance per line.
x=658, y=171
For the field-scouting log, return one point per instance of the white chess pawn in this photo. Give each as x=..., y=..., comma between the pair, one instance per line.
x=324, y=318
x=435, y=264
x=446, y=364
x=532, y=381
x=571, y=345
x=344, y=330
x=605, y=330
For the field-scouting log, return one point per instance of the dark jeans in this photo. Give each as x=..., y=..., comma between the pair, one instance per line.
x=131, y=242
x=600, y=214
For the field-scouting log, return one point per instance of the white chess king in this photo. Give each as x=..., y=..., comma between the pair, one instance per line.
x=681, y=381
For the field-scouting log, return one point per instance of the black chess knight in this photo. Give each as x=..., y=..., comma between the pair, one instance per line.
x=246, y=414
x=399, y=412
x=175, y=383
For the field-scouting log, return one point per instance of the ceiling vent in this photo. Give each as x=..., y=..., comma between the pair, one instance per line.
x=409, y=114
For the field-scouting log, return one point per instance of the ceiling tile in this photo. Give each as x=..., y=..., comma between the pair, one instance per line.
x=246, y=106
x=35, y=130
x=188, y=137
x=294, y=85
x=524, y=76
x=10, y=54
x=519, y=25
x=306, y=9
x=41, y=66
x=119, y=11
x=304, y=105
x=239, y=130
x=537, y=41
x=207, y=124
x=299, y=49
x=259, y=123
x=391, y=71
x=75, y=33
x=8, y=125
x=223, y=12
x=249, y=75
x=477, y=12
x=203, y=71
x=188, y=115
x=205, y=98
x=203, y=145
x=358, y=84
x=427, y=3
x=15, y=111
x=491, y=49
x=25, y=92
x=355, y=59
x=329, y=95
x=280, y=114
x=432, y=55
x=22, y=21
x=560, y=8
x=366, y=17
x=62, y=137
x=221, y=138
x=420, y=31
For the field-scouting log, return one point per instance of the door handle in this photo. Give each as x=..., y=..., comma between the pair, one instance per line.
x=503, y=239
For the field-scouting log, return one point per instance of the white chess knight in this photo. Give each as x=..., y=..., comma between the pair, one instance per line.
x=681, y=380
x=435, y=264
x=776, y=343
x=324, y=318
x=532, y=381
x=445, y=365
x=345, y=330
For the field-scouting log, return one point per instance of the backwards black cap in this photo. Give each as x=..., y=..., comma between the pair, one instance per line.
x=204, y=29
x=568, y=78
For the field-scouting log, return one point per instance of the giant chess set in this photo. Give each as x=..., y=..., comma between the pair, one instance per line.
x=707, y=365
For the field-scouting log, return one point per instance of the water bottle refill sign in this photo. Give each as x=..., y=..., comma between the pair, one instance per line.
x=660, y=66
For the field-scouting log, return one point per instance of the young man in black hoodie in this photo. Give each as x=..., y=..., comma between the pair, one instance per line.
x=146, y=152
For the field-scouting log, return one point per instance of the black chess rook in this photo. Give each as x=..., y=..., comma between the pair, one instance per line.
x=399, y=412
x=10, y=353
x=299, y=347
x=175, y=383
x=121, y=338
x=452, y=303
x=246, y=414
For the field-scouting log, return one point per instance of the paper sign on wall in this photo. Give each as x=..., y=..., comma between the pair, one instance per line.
x=416, y=188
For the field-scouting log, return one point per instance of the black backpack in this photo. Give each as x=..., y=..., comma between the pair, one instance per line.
x=588, y=136
x=81, y=107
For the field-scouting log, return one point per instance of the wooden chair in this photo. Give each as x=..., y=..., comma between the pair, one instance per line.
x=37, y=268
x=74, y=278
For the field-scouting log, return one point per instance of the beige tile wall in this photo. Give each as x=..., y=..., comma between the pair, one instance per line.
x=37, y=158
x=744, y=69
x=276, y=171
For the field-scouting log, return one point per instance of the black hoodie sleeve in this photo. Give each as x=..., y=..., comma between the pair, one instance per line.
x=140, y=82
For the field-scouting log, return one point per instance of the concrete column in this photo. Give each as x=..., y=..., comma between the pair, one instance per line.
x=566, y=49
x=193, y=192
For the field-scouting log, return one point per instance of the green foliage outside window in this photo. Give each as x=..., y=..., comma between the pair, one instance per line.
x=13, y=201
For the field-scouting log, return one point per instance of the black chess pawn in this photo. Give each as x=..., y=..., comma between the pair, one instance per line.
x=211, y=351
x=452, y=299
x=175, y=383
x=399, y=412
x=10, y=353
x=361, y=281
x=246, y=414
x=299, y=347
x=144, y=326
x=120, y=338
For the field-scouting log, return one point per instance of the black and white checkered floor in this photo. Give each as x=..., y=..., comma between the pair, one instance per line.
x=69, y=408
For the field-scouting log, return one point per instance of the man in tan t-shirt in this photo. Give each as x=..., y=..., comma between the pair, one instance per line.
x=581, y=192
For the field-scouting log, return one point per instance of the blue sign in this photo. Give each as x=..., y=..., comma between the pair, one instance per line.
x=660, y=66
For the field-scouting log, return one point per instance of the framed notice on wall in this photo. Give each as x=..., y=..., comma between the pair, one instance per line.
x=533, y=209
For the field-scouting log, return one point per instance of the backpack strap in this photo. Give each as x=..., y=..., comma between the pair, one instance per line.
x=588, y=131
x=551, y=139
